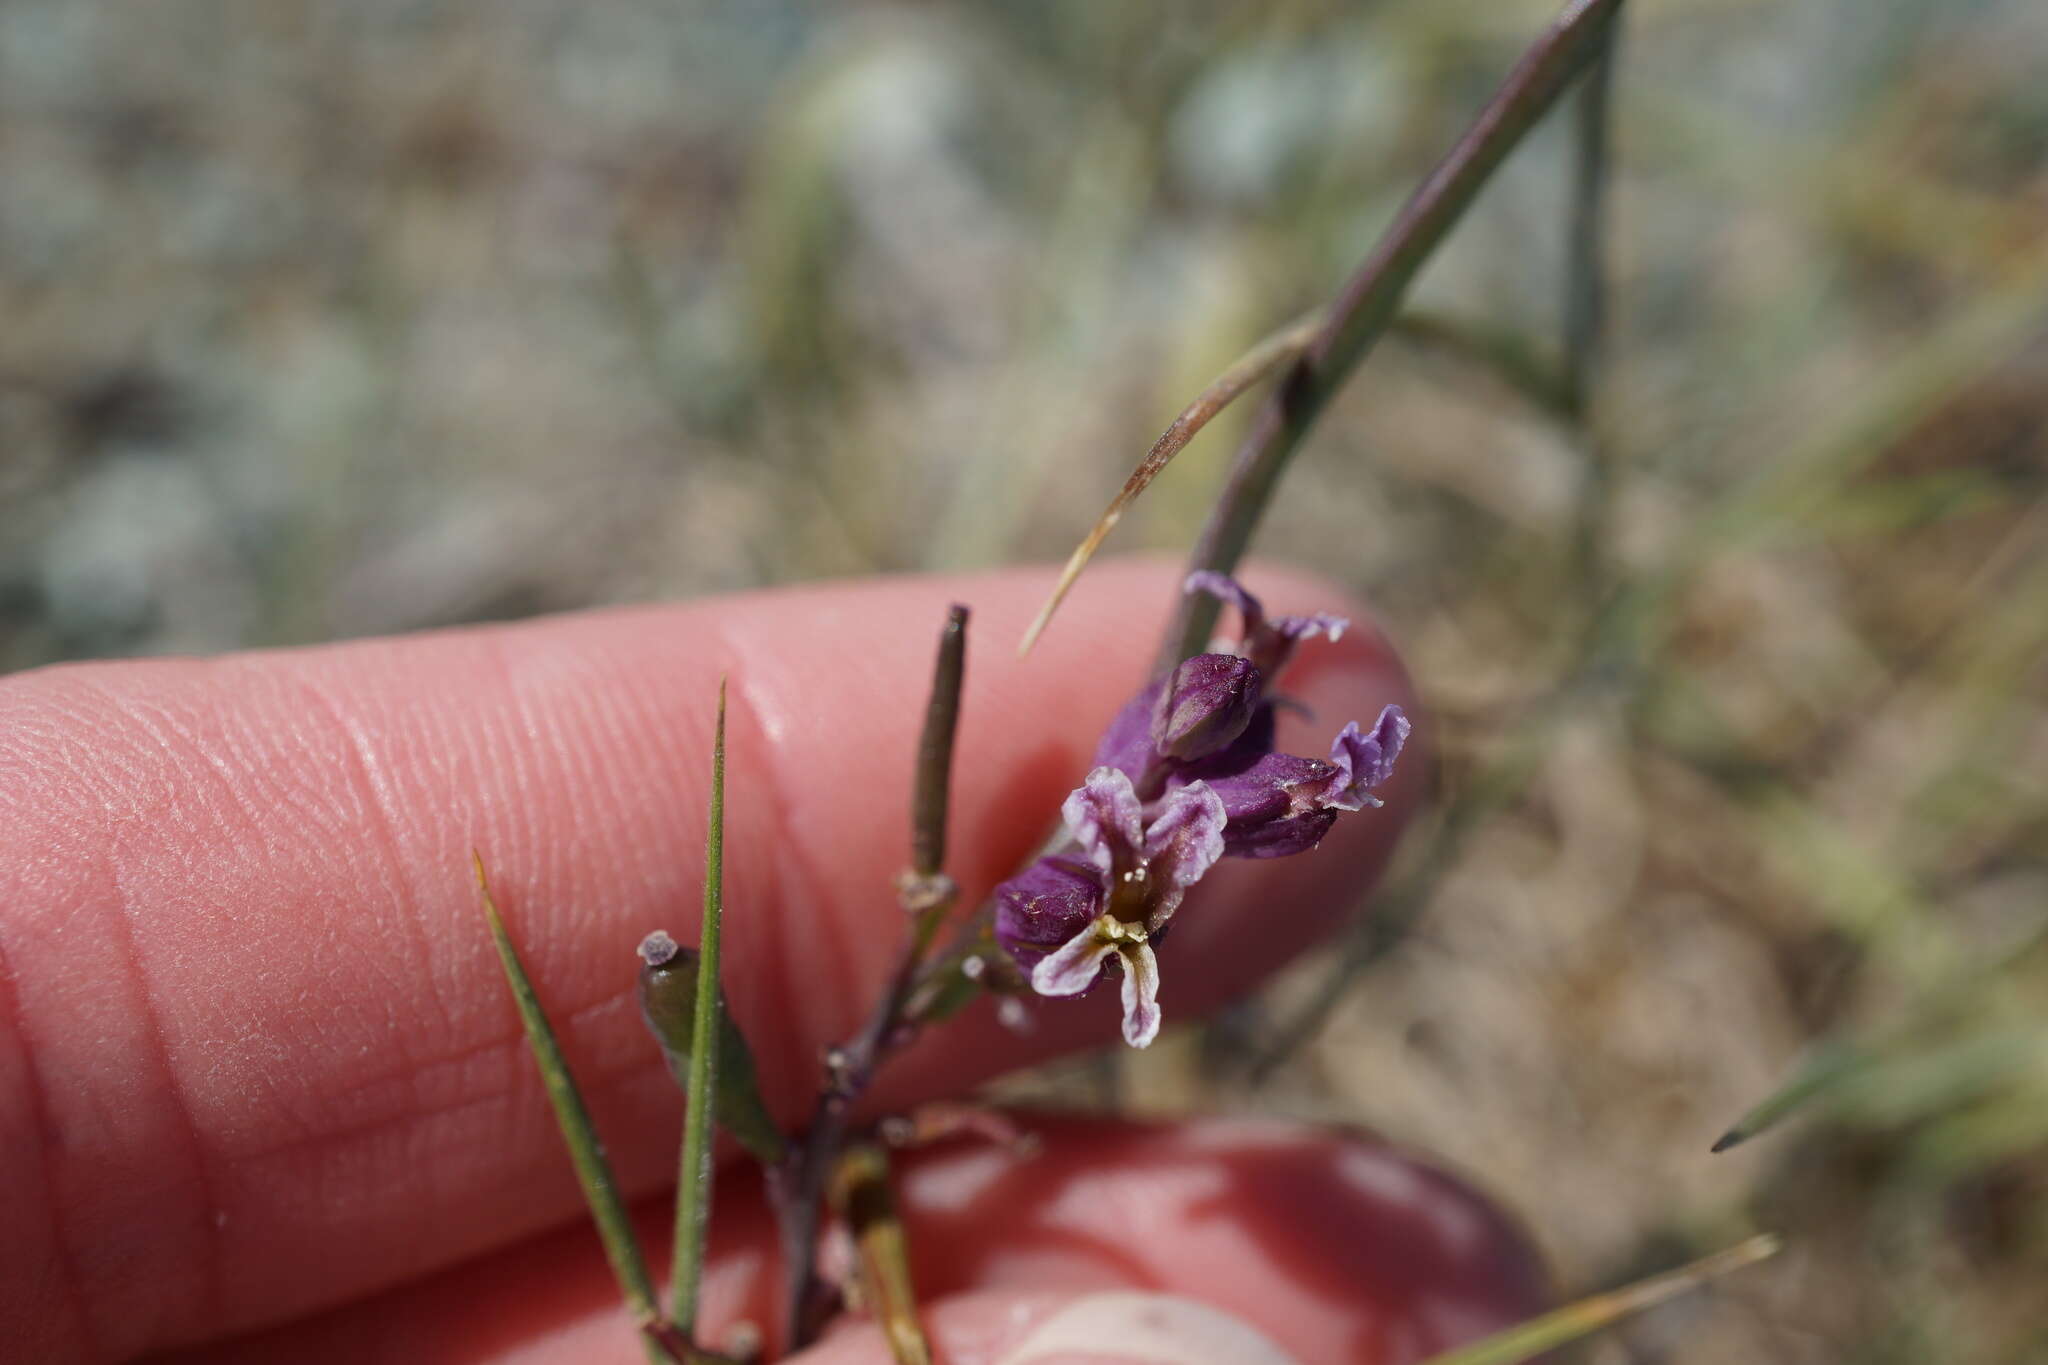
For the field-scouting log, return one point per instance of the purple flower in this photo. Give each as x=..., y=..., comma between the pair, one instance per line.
x=1367, y=760
x=1278, y=804
x=1067, y=918
x=1185, y=774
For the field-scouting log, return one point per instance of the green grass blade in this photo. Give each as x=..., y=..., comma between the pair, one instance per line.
x=1598, y=1311
x=1825, y=1069
x=693, y=1181
x=593, y=1172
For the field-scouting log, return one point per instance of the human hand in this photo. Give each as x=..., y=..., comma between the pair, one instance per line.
x=263, y=1095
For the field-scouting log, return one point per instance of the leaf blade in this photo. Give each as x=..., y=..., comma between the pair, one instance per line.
x=694, y=1178
x=1594, y=1312
x=586, y=1150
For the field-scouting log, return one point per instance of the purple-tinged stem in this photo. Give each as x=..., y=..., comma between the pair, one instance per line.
x=1373, y=295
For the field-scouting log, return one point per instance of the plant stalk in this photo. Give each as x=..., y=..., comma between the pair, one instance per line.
x=1371, y=298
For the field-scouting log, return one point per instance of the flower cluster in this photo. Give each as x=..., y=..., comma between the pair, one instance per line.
x=1185, y=775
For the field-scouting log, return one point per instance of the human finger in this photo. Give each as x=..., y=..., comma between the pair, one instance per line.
x=1148, y=1242
x=261, y=1058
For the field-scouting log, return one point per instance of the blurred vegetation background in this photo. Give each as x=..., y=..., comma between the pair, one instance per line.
x=325, y=319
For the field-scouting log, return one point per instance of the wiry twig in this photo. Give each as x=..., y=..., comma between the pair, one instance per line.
x=1373, y=295
x=1623, y=637
x=798, y=1188
x=1585, y=313
x=1585, y=279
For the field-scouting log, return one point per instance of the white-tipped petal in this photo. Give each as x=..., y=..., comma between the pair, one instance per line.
x=1184, y=842
x=1141, y=994
x=1073, y=966
x=1104, y=816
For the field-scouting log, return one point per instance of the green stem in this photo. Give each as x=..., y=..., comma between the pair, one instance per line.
x=693, y=1180
x=1585, y=290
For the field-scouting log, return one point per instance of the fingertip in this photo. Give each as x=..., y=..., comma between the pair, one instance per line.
x=1108, y=1327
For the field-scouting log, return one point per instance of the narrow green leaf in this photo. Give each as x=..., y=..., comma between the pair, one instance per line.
x=1591, y=1314
x=593, y=1172
x=693, y=1182
x=1821, y=1072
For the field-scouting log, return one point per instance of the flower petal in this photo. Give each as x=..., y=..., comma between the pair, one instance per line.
x=1281, y=838
x=1141, y=994
x=1072, y=967
x=1390, y=732
x=1364, y=761
x=1045, y=905
x=1299, y=628
x=1105, y=819
x=1185, y=841
x=1224, y=588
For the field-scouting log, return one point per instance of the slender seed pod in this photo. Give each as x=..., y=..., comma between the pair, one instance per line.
x=668, y=994
x=860, y=1194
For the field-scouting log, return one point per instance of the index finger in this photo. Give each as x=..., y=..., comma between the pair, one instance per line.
x=261, y=1058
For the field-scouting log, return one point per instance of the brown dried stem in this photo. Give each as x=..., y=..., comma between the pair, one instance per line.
x=1265, y=356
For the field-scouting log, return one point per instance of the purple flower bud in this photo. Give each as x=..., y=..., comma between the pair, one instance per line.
x=1206, y=704
x=1274, y=806
x=1277, y=805
x=1045, y=905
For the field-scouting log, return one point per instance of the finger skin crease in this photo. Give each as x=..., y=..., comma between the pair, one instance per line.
x=34, y=1106
x=810, y=997
x=206, y=1259
x=373, y=793
x=203, y=1257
